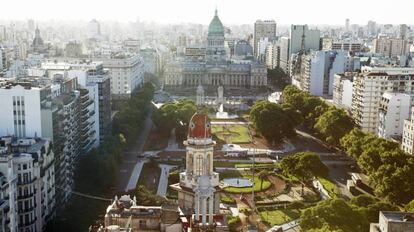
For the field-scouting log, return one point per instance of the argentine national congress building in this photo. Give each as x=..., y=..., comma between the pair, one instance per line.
x=214, y=68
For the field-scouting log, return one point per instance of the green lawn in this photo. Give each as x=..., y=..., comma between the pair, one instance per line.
x=257, y=183
x=232, y=133
x=329, y=186
x=279, y=216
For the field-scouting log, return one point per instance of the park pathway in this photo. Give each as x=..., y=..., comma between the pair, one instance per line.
x=163, y=183
x=136, y=172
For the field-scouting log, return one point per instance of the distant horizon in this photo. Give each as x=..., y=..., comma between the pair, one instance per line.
x=231, y=12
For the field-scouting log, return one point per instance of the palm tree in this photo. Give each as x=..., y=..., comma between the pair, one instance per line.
x=262, y=175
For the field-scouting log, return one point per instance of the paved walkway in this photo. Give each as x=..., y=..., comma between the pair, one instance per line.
x=172, y=143
x=133, y=180
x=163, y=183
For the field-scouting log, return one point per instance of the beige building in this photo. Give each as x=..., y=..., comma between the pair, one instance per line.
x=393, y=222
x=391, y=47
x=368, y=88
x=125, y=215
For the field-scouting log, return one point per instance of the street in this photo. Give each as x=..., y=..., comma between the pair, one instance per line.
x=130, y=157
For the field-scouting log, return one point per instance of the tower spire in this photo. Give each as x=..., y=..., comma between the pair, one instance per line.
x=215, y=12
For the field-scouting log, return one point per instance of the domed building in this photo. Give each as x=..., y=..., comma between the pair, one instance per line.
x=216, y=68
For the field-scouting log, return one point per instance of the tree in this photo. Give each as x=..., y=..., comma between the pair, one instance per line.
x=333, y=125
x=352, y=142
x=370, y=206
x=333, y=215
x=410, y=206
x=271, y=121
x=277, y=77
x=304, y=165
x=262, y=176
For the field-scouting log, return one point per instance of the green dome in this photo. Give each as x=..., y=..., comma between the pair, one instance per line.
x=215, y=27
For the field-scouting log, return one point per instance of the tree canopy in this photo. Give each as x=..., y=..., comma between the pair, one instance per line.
x=272, y=121
x=333, y=125
x=304, y=166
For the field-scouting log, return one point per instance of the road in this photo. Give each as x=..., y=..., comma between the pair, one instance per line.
x=130, y=157
x=133, y=179
x=163, y=183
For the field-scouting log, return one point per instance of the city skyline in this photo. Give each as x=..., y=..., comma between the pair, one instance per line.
x=173, y=12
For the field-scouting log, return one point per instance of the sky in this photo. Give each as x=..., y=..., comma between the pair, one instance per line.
x=284, y=12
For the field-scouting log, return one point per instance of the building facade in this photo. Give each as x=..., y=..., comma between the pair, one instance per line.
x=32, y=161
x=216, y=70
x=314, y=71
x=263, y=29
x=370, y=85
x=394, y=109
x=126, y=75
x=342, y=90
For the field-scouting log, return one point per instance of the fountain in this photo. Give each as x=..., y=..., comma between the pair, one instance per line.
x=220, y=113
x=237, y=182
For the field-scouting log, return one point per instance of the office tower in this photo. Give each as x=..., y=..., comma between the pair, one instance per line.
x=263, y=29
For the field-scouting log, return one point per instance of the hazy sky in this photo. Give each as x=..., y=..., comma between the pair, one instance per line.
x=201, y=11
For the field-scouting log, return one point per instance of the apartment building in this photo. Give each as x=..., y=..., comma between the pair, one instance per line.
x=391, y=47
x=263, y=29
x=92, y=77
x=29, y=161
x=342, y=90
x=407, y=142
x=314, y=71
x=394, y=109
x=369, y=87
x=126, y=75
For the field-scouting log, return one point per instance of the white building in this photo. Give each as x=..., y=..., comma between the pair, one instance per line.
x=370, y=85
x=342, y=90
x=22, y=114
x=314, y=71
x=394, y=109
x=407, y=144
x=127, y=74
x=300, y=38
x=32, y=164
x=94, y=29
x=393, y=222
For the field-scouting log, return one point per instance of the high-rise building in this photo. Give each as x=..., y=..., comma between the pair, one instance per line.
x=263, y=29
x=314, y=71
x=407, y=144
x=32, y=166
x=370, y=85
x=394, y=109
x=342, y=90
x=94, y=29
x=347, y=25
x=301, y=38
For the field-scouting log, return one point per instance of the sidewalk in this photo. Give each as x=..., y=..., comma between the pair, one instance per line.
x=133, y=180
x=163, y=183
